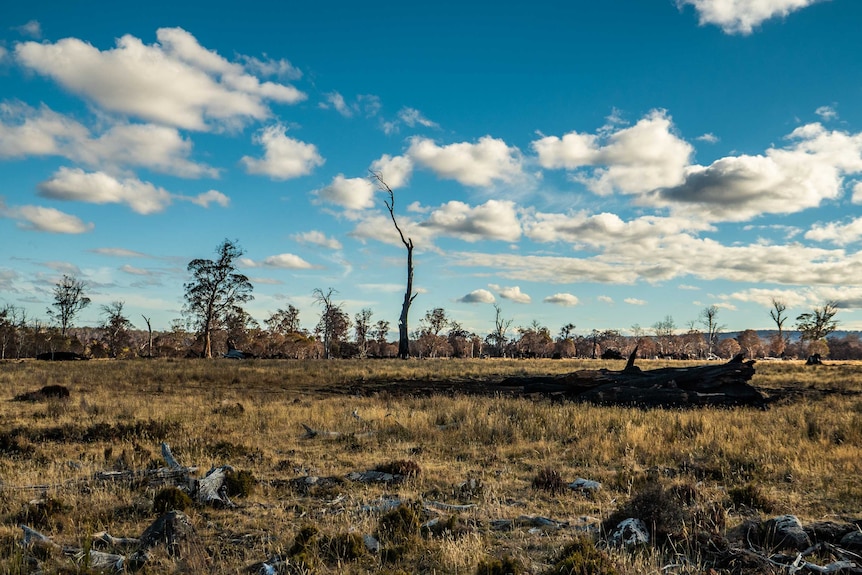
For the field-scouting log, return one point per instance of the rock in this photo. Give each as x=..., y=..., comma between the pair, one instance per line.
x=852, y=541
x=629, y=533
x=828, y=531
x=786, y=532
x=587, y=485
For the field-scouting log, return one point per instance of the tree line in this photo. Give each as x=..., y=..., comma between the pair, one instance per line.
x=214, y=321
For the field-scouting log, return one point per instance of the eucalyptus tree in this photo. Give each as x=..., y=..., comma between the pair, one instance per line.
x=216, y=292
x=69, y=299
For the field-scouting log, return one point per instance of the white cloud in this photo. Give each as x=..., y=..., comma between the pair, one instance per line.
x=284, y=157
x=280, y=68
x=857, y=193
x=563, y=299
x=317, y=238
x=336, y=100
x=605, y=229
x=493, y=220
x=33, y=29
x=73, y=184
x=132, y=270
x=478, y=296
x=119, y=253
x=513, y=293
x=634, y=301
x=206, y=198
x=175, y=82
x=742, y=16
x=480, y=164
x=32, y=132
x=349, y=193
x=282, y=261
x=836, y=233
x=394, y=170
x=709, y=138
x=631, y=160
x=827, y=113
x=605, y=299
x=3, y=53
x=413, y=117
x=783, y=180
x=42, y=219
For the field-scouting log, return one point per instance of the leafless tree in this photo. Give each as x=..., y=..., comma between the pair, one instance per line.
x=409, y=296
x=149, y=336
x=497, y=338
x=69, y=299
x=216, y=291
x=708, y=317
x=334, y=323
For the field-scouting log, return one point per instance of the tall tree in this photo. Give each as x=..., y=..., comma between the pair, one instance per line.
x=409, y=296
x=778, y=316
x=334, y=323
x=149, y=336
x=69, y=299
x=362, y=329
x=216, y=291
x=284, y=321
x=709, y=319
x=497, y=338
x=818, y=323
x=116, y=326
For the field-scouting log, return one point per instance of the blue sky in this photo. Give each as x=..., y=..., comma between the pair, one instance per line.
x=601, y=163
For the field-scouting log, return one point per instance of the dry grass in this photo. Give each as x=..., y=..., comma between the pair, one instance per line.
x=799, y=457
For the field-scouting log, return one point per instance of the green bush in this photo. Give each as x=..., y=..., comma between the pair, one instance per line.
x=171, y=499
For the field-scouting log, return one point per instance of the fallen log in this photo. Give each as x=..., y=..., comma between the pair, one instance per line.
x=723, y=384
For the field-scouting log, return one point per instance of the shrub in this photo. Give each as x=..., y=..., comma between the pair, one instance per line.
x=550, y=480
x=399, y=524
x=403, y=467
x=342, y=547
x=171, y=499
x=751, y=496
x=582, y=558
x=504, y=566
x=660, y=509
x=240, y=483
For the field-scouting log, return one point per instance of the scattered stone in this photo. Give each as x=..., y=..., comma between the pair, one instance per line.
x=586, y=485
x=630, y=532
x=852, y=541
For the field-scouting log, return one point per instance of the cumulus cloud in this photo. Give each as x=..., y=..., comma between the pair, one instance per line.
x=43, y=219
x=206, y=198
x=742, y=16
x=634, y=301
x=282, y=261
x=317, y=238
x=493, y=220
x=478, y=296
x=709, y=138
x=857, y=193
x=631, y=160
x=481, y=164
x=349, y=193
x=836, y=233
x=605, y=299
x=513, y=293
x=802, y=175
x=284, y=157
x=280, y=68
x=394, y=170
x=563, y=299
x=74, y=184
x=26, y=131
x=176, y=81
x=605, y=229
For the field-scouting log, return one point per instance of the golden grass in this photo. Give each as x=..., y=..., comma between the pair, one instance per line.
x=803, y=455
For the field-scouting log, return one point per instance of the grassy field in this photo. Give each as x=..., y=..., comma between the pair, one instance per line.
x=507, y=457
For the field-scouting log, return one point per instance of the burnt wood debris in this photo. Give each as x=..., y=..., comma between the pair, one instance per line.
x=725, y=384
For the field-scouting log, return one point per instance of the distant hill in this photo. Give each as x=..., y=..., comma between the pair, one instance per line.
x=793, y=335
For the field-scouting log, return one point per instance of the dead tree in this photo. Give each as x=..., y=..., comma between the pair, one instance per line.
x=409, y=296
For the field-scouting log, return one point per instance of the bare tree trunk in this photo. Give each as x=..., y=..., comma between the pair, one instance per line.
x=409, y=296
x=150, y=337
